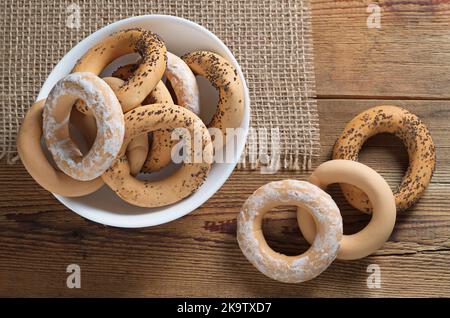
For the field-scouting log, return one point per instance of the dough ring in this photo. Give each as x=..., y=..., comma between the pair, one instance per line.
x=179, y=75
x=102, y=102
x=290, y=269
x=138, y=148
x=145, y=77
x=224, y=77
x=185, y=86
x=416, y=138
x=159, y=154
x=37, y=165
x=380, y=227
x=187, y=179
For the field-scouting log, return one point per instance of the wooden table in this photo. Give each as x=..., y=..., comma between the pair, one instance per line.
x=405, y=63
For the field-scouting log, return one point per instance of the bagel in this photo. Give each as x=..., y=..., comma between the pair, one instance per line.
x=322, y=209
x=183, y=82
x=179, y=75
x=147, y=74
x=225, y=78
x=186, y=91
x=380, y=227
x=138, y=148
x=181, y=183
x=414, y=135
x=35, y=162
x=159, y=154
x=102, y=102
x=162, y=144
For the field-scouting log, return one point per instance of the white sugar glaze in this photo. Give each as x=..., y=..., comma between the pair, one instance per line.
x=291, y=269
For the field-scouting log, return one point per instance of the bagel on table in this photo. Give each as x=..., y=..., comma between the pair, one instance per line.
x=317, y=204
x=414, y=134
x=377, y=232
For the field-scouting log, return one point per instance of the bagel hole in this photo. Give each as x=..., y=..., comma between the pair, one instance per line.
x=48, y=154
x=386, y=154
x=76, y=134
x=161, y=174
x=282, y=233
x=171, y=91
x=164, y=172
x=209, y=98
x=353, y=220
x=131, y=58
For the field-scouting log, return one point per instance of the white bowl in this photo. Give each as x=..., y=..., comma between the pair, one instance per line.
x=181, y=36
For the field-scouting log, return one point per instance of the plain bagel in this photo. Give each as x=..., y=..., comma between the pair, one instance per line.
x=185, y=88
x=161, y=146
x=137, y=149
x=380, y=227
x=33, y=158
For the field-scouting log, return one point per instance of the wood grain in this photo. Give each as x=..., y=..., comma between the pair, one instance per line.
x=198, y=255
x=407, y=58
x=405, y=63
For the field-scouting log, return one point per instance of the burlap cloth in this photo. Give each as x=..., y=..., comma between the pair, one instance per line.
x=271, y=40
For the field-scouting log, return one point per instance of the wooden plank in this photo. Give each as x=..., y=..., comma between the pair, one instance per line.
x=407, y=58
x=198, y=255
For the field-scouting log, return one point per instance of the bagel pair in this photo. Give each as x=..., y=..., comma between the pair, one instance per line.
x=319, y=219
x=365, y=189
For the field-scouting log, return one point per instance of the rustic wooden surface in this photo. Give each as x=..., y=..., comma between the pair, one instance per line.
x=406, y=63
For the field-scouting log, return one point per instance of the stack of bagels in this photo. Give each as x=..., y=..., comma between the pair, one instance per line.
x=115, y=114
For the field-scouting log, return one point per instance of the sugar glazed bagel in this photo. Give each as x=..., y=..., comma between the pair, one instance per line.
x=102, y=102
x=380, y=227
x=416, y=138
x=224, y=77
x=187, y=179
x=290, y=269
x=37, y=165
x=144, y=78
